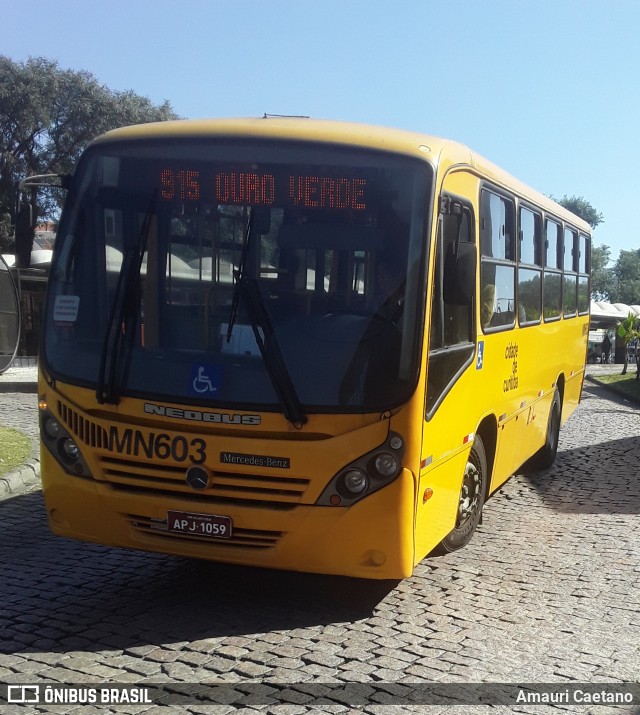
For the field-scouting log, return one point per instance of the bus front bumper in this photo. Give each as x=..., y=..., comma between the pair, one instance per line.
x=370, y=539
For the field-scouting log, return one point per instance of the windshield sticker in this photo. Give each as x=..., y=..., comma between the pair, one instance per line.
x=65, y=310
x=205, y=380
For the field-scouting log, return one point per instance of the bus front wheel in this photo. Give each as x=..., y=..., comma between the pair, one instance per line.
x=474, y=488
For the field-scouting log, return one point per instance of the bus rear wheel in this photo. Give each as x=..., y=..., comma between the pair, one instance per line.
x=472, y=493
x=545, y=457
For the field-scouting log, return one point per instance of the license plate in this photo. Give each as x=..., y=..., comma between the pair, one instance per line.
x=212, y=525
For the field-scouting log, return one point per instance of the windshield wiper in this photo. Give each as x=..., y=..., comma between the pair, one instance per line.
x=264, y=334
x=107, y=384
x=239, y=275
x=271, y=355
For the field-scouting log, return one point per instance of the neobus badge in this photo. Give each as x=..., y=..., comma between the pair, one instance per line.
x=199, y=416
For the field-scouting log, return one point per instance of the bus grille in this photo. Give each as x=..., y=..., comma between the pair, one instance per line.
x=258, y=490
x=242, y=538
x=275, y=491
x=85, y=430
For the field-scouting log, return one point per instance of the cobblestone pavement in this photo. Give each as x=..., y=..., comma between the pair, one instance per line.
x=20, y=411
x=548, y=591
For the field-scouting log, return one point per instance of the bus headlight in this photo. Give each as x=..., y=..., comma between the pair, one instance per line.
x=385, y=464
x=62, y=445
x=365, y=475
x=354, y=481
x=52, y=428
x=69, y=449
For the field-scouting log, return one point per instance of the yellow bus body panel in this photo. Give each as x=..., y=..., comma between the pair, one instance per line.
x=511, y=390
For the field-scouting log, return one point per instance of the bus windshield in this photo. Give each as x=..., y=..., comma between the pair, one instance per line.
x=269, y=276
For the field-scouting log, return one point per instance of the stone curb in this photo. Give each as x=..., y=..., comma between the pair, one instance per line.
x=21, y=480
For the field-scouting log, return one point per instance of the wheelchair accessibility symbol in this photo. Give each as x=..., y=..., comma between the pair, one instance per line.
x=480, y=355
x=205, y=380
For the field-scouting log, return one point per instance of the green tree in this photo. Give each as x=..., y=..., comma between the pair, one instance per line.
x=602, y=278
x=47, y=117
x=626, y=272
x=582, y=208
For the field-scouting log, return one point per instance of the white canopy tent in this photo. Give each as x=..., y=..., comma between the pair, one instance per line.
x=605, y=317
x=610, y=314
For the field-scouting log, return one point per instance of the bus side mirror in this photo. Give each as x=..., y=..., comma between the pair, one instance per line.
x=24, y=232
x=459, y=281
x=10, y=312
x=25, y=216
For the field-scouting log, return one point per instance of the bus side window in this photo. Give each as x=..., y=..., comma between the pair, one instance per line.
x=570, y=281
x=584, y=268
x=497, y=270
x=552, y=276
x=529, y=267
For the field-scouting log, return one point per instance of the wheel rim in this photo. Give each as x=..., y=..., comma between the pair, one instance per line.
x=469, y=494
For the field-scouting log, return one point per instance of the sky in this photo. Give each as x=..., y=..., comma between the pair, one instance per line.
x=547, y=89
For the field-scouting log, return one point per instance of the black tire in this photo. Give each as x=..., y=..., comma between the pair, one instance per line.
x=472, y=494
x=545, y=457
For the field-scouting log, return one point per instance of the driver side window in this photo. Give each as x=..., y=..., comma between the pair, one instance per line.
x=452, y=345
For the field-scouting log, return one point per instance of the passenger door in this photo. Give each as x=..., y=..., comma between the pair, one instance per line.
x=449, y=418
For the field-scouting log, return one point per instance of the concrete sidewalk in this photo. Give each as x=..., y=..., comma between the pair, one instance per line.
x=22, y=376
x=597, y=368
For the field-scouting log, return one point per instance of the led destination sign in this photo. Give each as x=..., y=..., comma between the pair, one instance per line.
x=264, y=189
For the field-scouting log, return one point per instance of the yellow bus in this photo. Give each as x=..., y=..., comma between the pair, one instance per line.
x=302, y=344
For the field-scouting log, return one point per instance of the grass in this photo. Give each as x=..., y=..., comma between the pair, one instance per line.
x=15, y=448
x=625, y=385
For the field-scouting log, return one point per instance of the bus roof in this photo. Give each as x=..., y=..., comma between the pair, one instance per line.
x=423, y=146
